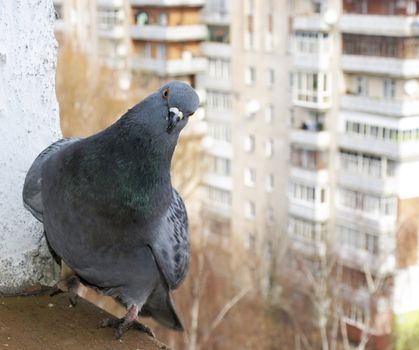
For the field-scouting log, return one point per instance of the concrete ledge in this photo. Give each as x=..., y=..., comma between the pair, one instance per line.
x=44, y=322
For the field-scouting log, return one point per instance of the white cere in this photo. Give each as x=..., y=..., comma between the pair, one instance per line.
x=177, y=112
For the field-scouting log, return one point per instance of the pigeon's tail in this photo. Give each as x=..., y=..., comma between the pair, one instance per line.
x=160, y=307
x=32, y=189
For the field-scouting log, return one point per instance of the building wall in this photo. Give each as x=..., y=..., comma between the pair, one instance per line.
x=252, y=65
x=29, y=121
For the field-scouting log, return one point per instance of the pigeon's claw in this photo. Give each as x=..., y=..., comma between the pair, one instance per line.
x=121, y=326
x=129, y=321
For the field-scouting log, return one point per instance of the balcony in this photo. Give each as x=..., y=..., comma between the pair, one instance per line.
x=110, y=3
x=307, y=247
x=378, y=222
x=218, y=148
x=379, y=25
x=216, y=17
x=318, y=139
x=312, y=99
x=174, y=67
x=155, y=3
x=213, y=49
x=381, y=263
x=111, y=32
x=313, y=177
x=380, y=65
x=169, y=33
x=218, y=209
x=311, y=61
x=312, y=211
x=359, y=181
x=393, y=150
x=219, y=181
x=380, y=105
x=313, y=22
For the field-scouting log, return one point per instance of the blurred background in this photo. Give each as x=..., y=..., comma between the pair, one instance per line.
x=300, y=169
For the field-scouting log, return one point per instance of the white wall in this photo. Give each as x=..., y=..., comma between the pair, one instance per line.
x=28, y=123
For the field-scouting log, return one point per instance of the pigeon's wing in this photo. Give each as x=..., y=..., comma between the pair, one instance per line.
x=170, y=245
x=32, y=194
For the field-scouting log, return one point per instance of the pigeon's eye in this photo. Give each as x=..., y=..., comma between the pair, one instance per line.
x=165, y=93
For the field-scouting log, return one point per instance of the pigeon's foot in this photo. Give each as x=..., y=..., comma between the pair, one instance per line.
x=129, y=321
x=69, y=285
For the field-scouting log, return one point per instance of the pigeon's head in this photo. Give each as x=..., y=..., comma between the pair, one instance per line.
x=181, y=100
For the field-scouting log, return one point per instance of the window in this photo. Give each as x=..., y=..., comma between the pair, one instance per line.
x=221, y=166
x=355, y=313
x=219, y=68
x=250, y=75
x=219, y=131
x=382, y=133
x=389, y=88
x=249, y=210
x=161, y=51
x=251, y=240
x=361, y=86
x=249, y=177
x=269, y=182
x=270, y=77
x=162, y=19
x=269, y=148
x=147, y=50
x=363, y=240
x=305, y=230
x=249, y=40
x=219, y=100
x=249, y=143
x=307, y=193
x=269, y=114
x=367, y=203
x=308, y=159
x=219, y=197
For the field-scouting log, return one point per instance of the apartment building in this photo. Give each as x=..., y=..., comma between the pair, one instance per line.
x=354, y=155
x=219, y=116
x=377, y=192
x=165, y=38
x=146, y=42
x=259, y=70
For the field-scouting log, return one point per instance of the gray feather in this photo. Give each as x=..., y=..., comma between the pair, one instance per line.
x=32, y=189
x=170, y=246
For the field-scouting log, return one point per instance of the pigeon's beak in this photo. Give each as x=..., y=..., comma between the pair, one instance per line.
x=175, y=115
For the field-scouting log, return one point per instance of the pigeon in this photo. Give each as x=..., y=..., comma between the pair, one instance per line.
x=110, y=212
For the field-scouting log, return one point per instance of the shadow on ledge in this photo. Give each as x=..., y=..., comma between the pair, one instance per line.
x=42, y=322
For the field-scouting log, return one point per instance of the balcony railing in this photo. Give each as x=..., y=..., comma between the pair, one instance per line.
x=312, y=99
x=381, y=263
x=167, y=2
x=311, y=248
x=380, y=106
x=398, y=150
x=319, y=139
x=111, y=32
x=169, y=33
x=110, y=3
x=379, y=25
x=173, y=67
x=313, y=22
x=381, y=65
x=309, y=210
